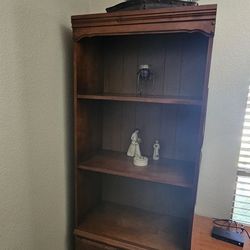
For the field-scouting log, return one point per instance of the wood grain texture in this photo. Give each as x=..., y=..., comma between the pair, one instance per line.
x=88, y=193
x=114, y=53
x=88, y=128
x=148, y=121
x=186, y=135
x=193, y=65
x=89, y=60
x=175, y=127
x=169, y=57
x=202, y=240
x=201, y=127
x=134, y=229
x=173, y=65
x=175, y=173
x=171, y=200
x=152, y=52
x=179, y=19
x=145, y=99
x=83, y=244
x=108, y=49
x=112, y=126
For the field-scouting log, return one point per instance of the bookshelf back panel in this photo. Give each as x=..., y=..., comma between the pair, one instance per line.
x=117, y=204
x=153, y=197
x=110, y=64
x=89, y=66
x=88, y=193
x=88, y=129
x=176, y=127
x=95, y=188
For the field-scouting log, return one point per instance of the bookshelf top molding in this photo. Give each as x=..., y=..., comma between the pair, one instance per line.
x=163, y=20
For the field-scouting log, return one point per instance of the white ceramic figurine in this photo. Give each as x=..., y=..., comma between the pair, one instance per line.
x=134, y=147
x=141, y=161
x=135, y=152
x=156, y=154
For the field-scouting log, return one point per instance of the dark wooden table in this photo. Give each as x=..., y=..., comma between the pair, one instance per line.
x=202, y=240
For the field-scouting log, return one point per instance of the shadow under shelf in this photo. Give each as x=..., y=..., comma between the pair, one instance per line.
x=165, y=171
x=132, y=228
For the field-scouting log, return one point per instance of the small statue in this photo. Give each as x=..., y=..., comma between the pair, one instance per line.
x=156, y=146
x=140, y=161
x=135, y=152
x=134, y=148
x=145, y=77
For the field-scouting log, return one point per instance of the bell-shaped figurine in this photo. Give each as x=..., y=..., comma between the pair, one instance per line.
x=156, y=154
x=134, y=147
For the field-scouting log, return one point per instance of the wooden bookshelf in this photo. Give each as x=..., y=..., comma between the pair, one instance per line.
x=131, y=228
x=119, y=205
x=145, y=99
x=172, y=172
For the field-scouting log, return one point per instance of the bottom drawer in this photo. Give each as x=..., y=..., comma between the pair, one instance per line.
x=83, y=244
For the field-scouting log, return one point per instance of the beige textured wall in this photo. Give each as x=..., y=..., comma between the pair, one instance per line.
x=35, y=75
x=229, y=81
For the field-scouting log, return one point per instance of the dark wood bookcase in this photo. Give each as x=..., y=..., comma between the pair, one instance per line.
x=118, y=205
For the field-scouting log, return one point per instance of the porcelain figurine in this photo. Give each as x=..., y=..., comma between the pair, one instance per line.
x=140, y=161
x=156, y=154
x=134, y=147
x=135, y=151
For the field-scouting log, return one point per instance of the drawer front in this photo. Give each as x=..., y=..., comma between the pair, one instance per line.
x=83, y=244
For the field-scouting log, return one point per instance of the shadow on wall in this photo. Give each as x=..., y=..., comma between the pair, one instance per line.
x=66, y=35
x=41, y=50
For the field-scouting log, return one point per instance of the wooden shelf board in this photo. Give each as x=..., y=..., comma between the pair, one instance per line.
x=165, y=171
x=146, y=99
x=131, y=228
